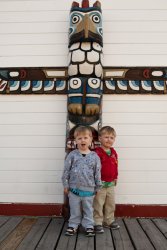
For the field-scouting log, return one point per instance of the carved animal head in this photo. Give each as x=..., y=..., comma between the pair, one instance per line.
x=85, y=23
x=84, y=99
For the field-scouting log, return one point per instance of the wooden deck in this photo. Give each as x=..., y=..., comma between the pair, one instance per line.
x=46, y=233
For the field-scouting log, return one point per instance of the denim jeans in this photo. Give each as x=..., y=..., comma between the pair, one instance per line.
x=81, y=211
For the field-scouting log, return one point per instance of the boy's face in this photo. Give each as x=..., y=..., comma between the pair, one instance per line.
x=107, y=140
x=83, y=141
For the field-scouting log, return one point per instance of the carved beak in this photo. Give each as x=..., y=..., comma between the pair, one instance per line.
x=86, y=26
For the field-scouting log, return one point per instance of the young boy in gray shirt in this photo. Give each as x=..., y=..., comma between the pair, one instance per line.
x=81, y=180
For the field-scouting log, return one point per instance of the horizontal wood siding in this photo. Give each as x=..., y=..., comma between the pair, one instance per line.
x=141, y=144
x=32, y=147
x=32, y=140
x=33, y=128
x=35, y=33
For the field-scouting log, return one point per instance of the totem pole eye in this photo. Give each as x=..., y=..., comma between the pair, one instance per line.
x=75, y=83
x=96, y=19
x=94, y=83
x=76, y=19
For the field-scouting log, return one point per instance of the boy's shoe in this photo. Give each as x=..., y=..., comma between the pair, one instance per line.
x=99, y=229
x=70, y=231
x=113, y=225
x=90, y=232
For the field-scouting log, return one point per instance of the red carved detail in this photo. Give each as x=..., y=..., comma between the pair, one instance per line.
x=75, y=4
x=85, y=3
x=22, y=73
x=97, y=4
x=146, y=73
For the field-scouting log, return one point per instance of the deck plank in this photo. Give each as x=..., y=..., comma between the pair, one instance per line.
x=9, y=226
x=35, y=234
x=104, y=241
x=84, y=242
x=66, y=242
x=3, y=220
x=162, y=225
x=121, y=238
x=138, y=237
x=48, y=233
x=51, y=236
x=157, y=238
x=14, y=239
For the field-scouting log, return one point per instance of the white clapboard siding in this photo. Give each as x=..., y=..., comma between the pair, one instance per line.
x=32, y=118
x=31, y=176
x=140, y=122
x=32, y=143
x=61, y=50
x=108, y=38
x=31, y=164
x=146, y=199
x=27, y=107
x=35, y=153
x=34, y=33
x=33, y=192
x=31, y=188
x=33, y=127
x=154, y=177
x=62, y=27
x=29, y=5
x=32, y=39
x=142, y=164
x=58, y=15
x=32, y=198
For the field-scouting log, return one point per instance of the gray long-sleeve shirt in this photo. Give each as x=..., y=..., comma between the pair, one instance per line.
x=82, y=172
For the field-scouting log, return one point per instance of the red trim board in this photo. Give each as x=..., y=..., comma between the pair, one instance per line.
x=122, y=210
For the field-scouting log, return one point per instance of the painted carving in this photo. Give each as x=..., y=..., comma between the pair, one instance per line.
x=85, y=65
x=85, y=79
x=116, y=80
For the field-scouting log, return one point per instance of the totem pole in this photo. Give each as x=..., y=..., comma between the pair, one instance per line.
x=85, y=79
x=85, y=69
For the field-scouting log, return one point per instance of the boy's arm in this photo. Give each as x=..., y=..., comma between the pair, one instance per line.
x=66, y=173
x=116, y=155
x=97, y=175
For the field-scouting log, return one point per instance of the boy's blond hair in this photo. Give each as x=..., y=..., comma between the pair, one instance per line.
x=107, y=130
x=82, y=130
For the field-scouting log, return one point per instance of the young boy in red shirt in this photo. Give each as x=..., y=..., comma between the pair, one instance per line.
x=104, y=201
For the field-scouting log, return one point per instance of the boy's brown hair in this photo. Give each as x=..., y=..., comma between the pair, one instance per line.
x=107, y=130
x=82, y=130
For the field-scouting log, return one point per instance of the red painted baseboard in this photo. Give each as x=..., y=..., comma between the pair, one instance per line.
x=122, y=210
x=148, y=210
x=30, y=209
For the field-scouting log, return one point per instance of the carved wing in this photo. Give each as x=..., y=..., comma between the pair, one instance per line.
x=135, y=80
x=49, y=80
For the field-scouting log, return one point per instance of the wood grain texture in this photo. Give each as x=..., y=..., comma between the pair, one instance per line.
x=14, y=239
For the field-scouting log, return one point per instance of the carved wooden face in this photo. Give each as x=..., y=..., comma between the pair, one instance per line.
x=84, y=99
x=85, y=25
x=85, y=91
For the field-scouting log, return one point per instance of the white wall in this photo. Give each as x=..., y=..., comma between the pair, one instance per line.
x=32, y=127
x=34, y=32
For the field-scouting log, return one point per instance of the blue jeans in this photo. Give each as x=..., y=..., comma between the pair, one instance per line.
x=81, y=211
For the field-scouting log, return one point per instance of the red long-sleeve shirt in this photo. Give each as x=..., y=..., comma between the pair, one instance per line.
x=109, y=164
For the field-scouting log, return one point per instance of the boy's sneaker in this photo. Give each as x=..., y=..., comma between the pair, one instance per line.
x=90, y=232
x=70, y=231
x=113, y=225
x=99, y=229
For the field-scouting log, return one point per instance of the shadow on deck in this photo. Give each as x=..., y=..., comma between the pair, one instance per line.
x=47, y=233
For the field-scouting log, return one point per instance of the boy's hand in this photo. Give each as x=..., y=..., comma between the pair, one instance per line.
x=115, y=182
x=66, y=190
